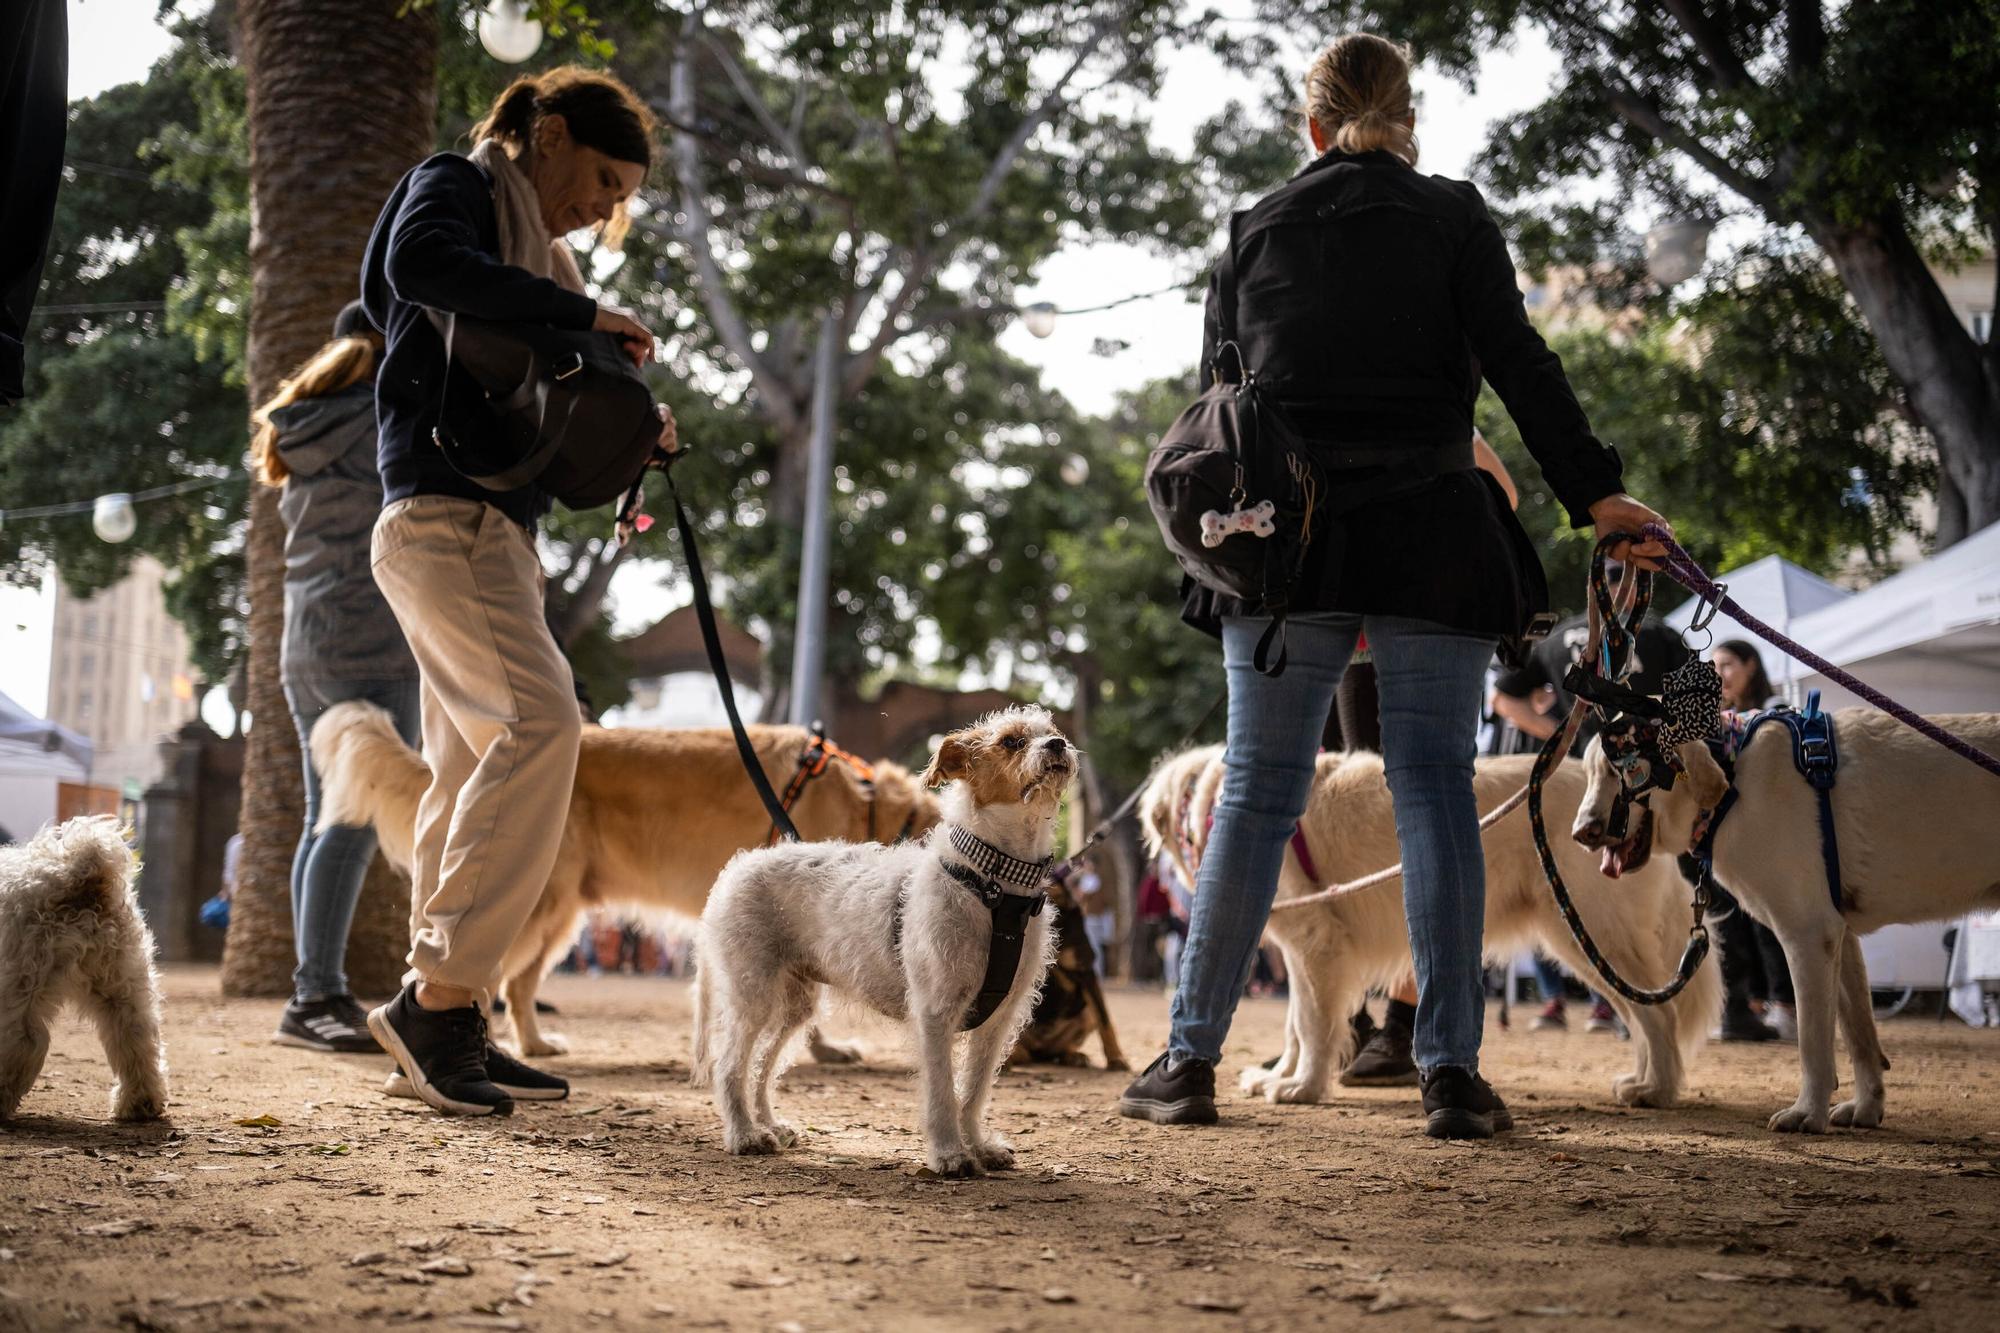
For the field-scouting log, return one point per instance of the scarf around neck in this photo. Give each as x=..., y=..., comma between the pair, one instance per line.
x=524, y=239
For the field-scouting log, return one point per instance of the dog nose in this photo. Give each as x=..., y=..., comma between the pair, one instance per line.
x=1055, y=745
x=1591, y=834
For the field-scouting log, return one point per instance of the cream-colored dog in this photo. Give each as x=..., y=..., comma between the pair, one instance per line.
x=653, y=817
x=905, y=930
x=1335, y=950
x=1919, y=835
x=71, y=933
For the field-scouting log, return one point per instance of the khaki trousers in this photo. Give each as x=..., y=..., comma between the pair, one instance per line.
x=500, y=729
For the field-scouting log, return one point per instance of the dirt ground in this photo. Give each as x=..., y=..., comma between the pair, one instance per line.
x=619, y=1209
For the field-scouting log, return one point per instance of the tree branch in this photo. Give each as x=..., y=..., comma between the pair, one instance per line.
x=775, y=394
x=582, y=606
x=1712, y=42
x=1638, y=110
x=1046, y=110
x=738, y=78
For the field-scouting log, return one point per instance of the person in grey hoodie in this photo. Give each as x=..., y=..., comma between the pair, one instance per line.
x=316, y=440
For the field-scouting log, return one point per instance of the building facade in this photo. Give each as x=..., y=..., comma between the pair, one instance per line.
x=119, y=674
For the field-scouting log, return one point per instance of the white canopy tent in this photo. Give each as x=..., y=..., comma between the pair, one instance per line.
x=35, y=756
x=1777, y=592
x=1929, y=638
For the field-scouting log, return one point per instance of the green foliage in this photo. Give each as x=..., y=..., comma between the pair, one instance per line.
x=1758, y=421
x=129, y=397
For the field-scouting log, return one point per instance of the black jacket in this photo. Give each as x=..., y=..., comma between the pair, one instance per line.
x=1371, y=300
x=337, y=625
x=437, y=244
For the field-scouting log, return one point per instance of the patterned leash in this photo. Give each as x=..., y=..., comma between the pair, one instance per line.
x=1684, y=571
x=1613, y=633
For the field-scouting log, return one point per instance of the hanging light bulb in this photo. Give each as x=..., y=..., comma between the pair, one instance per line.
x=113, y=518
x=1675, y=251
x=1040, y=318
x=507, y=33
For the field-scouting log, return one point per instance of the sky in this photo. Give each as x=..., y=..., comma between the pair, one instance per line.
x=115, y=41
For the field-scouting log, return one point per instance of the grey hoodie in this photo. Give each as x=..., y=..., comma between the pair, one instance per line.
x=337, y=626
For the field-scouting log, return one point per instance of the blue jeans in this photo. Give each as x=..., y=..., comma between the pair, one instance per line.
x=328, y=868
x=1430, y=680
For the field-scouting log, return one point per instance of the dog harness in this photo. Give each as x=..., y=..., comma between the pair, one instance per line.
x=820, y=754
x=986, y=877
x=1816, y=757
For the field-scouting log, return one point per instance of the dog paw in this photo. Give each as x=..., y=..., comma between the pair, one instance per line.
x=955, y=1164
x=1630, y=1091
x=1295, y=1090
x=1800, y=1120
x=787, y=1135
x=547, y=1043
x=751, y=1142
x=994, y=1155
x=826, y=1052
x=140, y=1104
x=1855, y=1115
x=1256, y=1082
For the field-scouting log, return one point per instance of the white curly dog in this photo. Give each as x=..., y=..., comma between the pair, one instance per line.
x=905, y=930
x=70, y=932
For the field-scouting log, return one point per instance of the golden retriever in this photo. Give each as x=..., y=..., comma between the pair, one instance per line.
x=653, y=818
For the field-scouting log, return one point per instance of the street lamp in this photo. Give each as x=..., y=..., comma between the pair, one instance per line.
x=1040, y=318
x=1675, y=251
x=507, y=33
x=113, y=519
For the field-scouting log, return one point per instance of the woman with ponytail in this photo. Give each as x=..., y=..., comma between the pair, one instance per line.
x=480, y=236
x=1370, y=300
x=316, y=440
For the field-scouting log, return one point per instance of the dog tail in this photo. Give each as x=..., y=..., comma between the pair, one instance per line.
x=368, y=776
x=699, y=1071
x=90, y=861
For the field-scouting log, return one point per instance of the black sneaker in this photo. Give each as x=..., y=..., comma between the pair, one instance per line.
x=519, y=1081
x=441, y=1053
x=337, y=1024
x=1740, y=1024
x=1458, y=1104
x=1172, y=1092
x=1385, y=1061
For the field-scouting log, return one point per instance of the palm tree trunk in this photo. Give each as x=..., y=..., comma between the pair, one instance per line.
x=342, y=101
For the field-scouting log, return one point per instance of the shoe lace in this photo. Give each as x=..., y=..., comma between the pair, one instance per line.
x=465, y=1057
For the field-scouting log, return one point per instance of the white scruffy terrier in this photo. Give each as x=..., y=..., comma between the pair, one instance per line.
x=908, y=929
x=70, y=930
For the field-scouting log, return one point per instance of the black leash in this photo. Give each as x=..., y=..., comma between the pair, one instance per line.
x=1605, y=663
x=704, y=610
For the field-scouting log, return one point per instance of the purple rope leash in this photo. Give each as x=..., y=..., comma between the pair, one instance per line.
x=1680, y=566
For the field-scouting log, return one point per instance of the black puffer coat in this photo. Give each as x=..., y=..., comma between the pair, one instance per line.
x=1371, y=300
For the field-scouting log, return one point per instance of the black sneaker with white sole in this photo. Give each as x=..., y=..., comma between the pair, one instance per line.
x=521, y=1082
x=1459, y=1104
x=337, y=1023
x=1172, y=1092
x=442, y=1053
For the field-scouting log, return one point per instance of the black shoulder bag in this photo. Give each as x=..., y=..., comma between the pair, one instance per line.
x=566, y=411
x=1234, y=488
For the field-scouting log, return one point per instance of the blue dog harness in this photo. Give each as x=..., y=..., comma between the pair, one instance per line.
x=1818, y=761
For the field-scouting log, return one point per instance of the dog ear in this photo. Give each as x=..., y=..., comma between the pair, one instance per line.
x=954, y=753
x=1704, y=776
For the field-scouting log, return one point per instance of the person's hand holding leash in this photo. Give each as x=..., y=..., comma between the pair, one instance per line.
x=1619, y=512
x=670, y=434
x=637, y=338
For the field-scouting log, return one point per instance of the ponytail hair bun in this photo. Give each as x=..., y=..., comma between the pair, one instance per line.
x=1358, y=93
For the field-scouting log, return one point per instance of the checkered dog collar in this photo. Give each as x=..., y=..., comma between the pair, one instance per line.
x=995, y=864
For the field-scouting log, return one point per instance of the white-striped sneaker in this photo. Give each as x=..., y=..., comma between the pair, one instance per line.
x=336, y=1024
